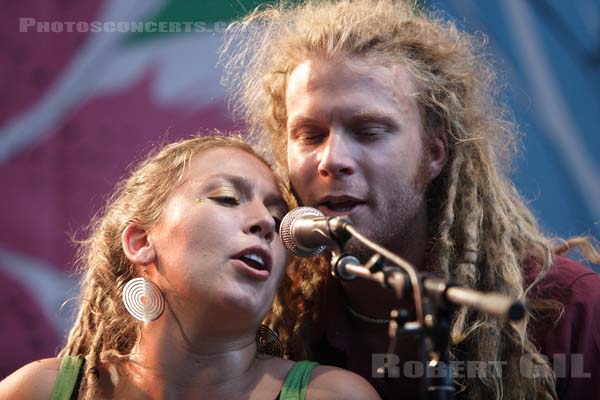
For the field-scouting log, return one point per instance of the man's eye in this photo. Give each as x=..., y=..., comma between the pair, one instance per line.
x=370, y=133
x=228, y=201
x=310, y=137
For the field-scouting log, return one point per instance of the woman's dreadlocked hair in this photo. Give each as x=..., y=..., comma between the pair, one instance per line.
x=482, y=231
x=104, y=331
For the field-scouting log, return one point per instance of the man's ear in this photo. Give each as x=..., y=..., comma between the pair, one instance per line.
x=136, y=245
x=438, y=154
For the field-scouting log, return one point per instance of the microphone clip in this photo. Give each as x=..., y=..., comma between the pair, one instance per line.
x=338, y=230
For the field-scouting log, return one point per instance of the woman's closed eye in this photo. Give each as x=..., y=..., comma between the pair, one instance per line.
x=226, y=200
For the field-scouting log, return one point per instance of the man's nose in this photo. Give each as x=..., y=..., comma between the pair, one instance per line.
x=337, y=159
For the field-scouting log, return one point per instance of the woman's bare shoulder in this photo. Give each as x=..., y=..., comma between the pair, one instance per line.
x=33, y=381
x=336, y=383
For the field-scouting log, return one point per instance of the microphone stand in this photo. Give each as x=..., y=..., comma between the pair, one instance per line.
x=434, y=300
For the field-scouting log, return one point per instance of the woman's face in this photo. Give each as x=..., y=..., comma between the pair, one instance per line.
x=217, y=245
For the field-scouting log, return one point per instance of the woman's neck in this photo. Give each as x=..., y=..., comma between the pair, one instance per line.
x=165, y=363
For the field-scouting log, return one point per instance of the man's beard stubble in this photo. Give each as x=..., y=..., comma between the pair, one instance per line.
x=396, y=225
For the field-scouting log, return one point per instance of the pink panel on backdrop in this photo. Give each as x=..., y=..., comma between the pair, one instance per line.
x=31, y=61
x=59, y=183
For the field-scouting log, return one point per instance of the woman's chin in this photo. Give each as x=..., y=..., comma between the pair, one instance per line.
x=243, y=307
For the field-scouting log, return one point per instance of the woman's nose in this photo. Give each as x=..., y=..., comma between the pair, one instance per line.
x=262, y=224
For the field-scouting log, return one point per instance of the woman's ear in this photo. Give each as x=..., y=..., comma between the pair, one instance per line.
x=136, y=245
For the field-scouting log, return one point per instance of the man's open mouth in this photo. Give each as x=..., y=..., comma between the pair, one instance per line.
x=339, y=204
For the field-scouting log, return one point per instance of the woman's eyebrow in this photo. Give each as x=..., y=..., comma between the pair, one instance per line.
x=238, y=182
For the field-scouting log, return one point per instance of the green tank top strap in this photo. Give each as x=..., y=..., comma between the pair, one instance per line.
x=296, y=382
x=67, y=382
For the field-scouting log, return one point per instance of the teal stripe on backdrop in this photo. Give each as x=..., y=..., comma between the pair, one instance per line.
x=205, y=11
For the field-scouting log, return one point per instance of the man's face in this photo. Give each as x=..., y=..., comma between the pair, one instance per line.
x=355, y=147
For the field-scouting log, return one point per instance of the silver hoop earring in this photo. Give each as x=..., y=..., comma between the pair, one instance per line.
x=143, y=299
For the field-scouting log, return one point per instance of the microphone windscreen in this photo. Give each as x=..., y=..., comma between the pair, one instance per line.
x=287, y=236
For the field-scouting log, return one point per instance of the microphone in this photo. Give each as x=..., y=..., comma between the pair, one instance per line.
x=307, y=232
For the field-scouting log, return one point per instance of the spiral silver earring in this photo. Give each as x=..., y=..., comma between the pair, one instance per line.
x=143, y=299
x=268, y=342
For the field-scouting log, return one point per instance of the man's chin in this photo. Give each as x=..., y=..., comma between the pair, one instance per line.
x=358, y=250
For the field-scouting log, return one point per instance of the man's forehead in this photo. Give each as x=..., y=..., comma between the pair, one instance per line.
x=319, y=89
x=313, y=73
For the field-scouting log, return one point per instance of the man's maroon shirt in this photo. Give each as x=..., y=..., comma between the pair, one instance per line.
x=566, y=341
